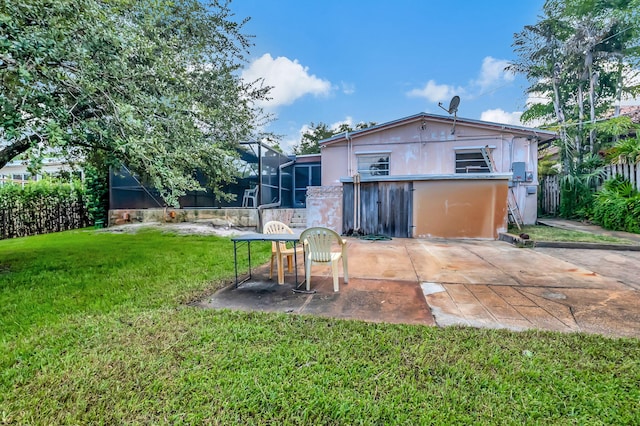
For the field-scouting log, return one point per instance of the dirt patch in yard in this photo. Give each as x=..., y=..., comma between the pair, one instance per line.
x=184, y=228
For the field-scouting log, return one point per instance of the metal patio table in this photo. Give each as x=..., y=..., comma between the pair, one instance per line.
x=249, y=238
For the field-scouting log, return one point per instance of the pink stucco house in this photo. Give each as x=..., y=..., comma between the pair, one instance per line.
x=428, y=175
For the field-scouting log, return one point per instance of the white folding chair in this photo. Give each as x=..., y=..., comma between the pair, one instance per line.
x=318, y=243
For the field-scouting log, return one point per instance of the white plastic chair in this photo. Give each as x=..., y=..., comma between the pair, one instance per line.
x=318, y=243
x=250, y=195
x=275, y=227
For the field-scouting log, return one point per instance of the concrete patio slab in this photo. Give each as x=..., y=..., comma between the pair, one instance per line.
x=461, y=282
x=362, y=299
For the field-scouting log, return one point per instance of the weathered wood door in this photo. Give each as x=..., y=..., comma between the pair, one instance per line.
x=385, y=208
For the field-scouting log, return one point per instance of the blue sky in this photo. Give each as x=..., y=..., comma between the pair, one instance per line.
x=350, y=61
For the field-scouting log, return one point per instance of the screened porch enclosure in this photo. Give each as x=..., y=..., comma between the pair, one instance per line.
x=279, y=180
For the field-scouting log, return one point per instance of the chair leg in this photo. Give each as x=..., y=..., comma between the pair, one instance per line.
x=345, y=269
x=280, y=265
x=290, y=263
x=334, y=270
x=271, y=267
x=307, y=273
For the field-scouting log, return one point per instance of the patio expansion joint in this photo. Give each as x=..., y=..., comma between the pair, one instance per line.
x=485, y=259
x=413, y=264
x=304, y=305
x=527, y=293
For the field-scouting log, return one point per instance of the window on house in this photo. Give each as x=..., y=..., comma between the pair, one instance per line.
x=304, y=175
x=373, y=164
x=471, y=162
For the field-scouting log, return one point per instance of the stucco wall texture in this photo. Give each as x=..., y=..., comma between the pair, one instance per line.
x=324, y=207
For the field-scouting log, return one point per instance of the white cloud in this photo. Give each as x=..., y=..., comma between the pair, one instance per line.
x=537, y=98
x=435, y=92
x=500, y=116
x=492, y=73
x=348, y=121
x=348, y=88
x=291, y=141
x=288, y=143
x=289, y=80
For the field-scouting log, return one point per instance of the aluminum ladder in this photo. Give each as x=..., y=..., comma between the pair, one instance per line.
x=514, y=214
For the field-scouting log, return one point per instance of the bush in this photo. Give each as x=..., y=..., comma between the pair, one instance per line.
x=48, y=205
x=617, y=206
x=97, y=192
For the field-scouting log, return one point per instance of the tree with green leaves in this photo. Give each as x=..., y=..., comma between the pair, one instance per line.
x=310, y=141
x=151, y=84
x=579, y=56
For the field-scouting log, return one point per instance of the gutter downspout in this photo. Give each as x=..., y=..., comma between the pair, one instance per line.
x=349, y=159
x=277, y=203
x=356, y=204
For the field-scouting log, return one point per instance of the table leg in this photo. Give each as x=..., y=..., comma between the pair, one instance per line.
x=295, y=261
x=249, y=257
x=279, y=264
x=235, y=260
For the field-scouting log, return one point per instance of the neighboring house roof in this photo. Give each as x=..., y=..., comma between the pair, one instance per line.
x=542, y=135
x=631, y=111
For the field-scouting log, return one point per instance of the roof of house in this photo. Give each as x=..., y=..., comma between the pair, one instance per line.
x=631, y=111
x=542, y=135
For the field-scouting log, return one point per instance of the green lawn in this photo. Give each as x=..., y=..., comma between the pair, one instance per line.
x=549, y=233
x=94, y=330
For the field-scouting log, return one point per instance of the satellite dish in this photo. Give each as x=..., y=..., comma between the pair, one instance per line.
x=453, y=109
x=453, y=105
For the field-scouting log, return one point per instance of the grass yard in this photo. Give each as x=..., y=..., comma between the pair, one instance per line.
x=94, y=330
x=549, y=233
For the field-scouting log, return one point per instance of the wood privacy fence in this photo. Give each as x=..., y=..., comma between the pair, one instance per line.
x=549, y=193
x=20, y=218
x=549, y=196
x=630, y=172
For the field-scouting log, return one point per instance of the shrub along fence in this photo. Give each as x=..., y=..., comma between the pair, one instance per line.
x=41, y=207
x=630, y=172
x=549, y=190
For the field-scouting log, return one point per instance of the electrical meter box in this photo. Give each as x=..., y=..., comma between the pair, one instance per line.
x=519, y=171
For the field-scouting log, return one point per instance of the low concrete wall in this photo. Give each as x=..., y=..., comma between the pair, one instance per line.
x=217, y=217
x=324, y=207
x=293, y=218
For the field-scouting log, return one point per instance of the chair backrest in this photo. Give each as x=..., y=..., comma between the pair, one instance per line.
x=319, y=241
x=275, y=227
x=251, y=192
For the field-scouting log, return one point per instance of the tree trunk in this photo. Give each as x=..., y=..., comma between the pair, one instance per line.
x=592, y=97
x=560, y=115
x=14, y=149
x=579, y=135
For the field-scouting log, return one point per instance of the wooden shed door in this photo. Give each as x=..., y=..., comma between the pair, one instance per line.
x=385, y=208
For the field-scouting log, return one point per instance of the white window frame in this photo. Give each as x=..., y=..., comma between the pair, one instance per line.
x=374, y=163
x=471, y=164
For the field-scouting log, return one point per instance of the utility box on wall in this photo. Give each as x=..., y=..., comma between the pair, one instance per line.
x=519, y=171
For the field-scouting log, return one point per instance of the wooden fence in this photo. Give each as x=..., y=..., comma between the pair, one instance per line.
x=549, y=196
x=630, y=172
x=549, y=193
x=42, y=216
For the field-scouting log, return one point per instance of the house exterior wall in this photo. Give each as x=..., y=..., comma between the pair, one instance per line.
x=429, y=148
x=324, y=207
x=18, y=168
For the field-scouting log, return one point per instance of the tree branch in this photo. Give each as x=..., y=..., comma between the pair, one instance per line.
x=12, y=150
